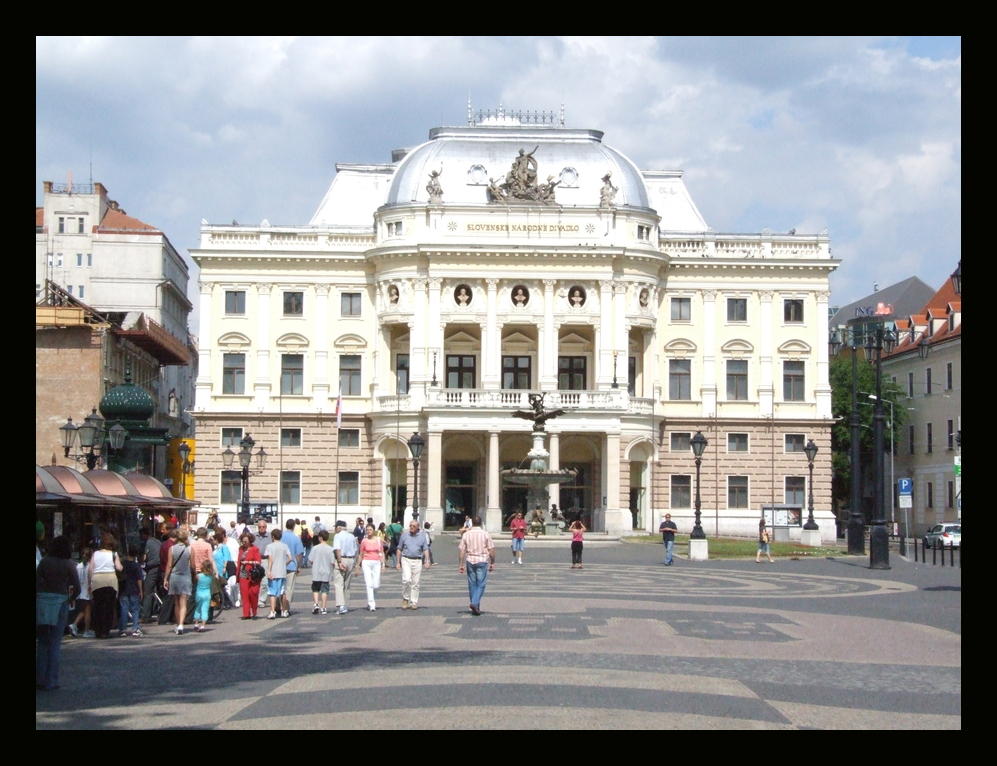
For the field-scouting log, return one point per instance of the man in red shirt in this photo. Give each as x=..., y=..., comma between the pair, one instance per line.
x=518, y=527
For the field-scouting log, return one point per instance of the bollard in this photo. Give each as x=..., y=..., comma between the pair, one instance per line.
x=934, y=554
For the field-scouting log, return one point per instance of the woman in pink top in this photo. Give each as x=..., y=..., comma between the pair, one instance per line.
x=371, y=560
x=577, y=530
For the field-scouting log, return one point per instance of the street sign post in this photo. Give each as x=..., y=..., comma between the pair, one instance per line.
x=905, y=494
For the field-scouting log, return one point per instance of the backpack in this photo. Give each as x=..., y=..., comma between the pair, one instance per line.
x=395, y=537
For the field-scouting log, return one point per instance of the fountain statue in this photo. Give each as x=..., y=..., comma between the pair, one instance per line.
x=538, y=476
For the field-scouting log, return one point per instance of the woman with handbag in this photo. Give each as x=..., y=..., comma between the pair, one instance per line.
x=249, y=586
x=103, y=574
x=763, y=544
x=177, y=579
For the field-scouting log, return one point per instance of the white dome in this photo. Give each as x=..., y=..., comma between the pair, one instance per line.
x=467, y=157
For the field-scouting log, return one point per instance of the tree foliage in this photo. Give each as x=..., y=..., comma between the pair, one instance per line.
x=841, y=405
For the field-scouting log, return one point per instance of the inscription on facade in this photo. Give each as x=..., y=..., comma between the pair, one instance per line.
x=520, y=228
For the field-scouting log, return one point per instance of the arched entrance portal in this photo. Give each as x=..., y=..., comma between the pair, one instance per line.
x=395, y=458
x=639, y=456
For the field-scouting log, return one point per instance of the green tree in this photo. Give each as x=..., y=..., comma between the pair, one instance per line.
x=841, y=406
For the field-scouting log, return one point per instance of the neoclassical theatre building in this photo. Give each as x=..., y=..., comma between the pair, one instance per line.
x=435, y=292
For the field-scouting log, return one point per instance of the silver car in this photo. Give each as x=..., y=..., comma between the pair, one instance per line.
x=944, y=536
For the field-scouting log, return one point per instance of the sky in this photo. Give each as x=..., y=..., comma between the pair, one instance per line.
x=858, y=135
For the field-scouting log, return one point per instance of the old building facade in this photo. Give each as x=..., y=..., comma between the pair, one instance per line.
x=433, y=293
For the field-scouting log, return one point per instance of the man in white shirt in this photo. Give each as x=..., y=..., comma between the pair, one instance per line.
x=345, y=548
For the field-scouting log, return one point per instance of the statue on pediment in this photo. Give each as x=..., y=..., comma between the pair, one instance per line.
x=608, y=192
x=434, y=188
x=520, y=186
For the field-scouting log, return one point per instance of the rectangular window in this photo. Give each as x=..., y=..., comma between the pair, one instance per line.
x=681, y=492
x=737, y=491
x=737, y=442
x=294, y=304
x=69, y=288
x=349, y=488
x=290, y=437
x=950, y=496
x=51, y=260
x=571, y=373
x=792, y=381
x=292, y=374
x=349, y=304
x=795, y=442
x=681, y=309
x=235, y=301
x=910, y=385
x=737, y=309
x=930, y=499
x=796, y=490
x=89, y=259
x=62, y=225
x=401, y=371
x=58, y=260
x=681, y=442
x=81, y=292
x=349, y=437
x=80, y=224
x=737, y=379
x=234, y=374
x=516, y=373
x=948, y=376
x=927, y=381
x=231, y=487
x=349, y=374
x=680, y=379
x=290, y=487
x=792, y=311
x=231, y=437
x=929, y=438
x=950, y=435
x=461, y=371
x=79, y=259
x=910, y=439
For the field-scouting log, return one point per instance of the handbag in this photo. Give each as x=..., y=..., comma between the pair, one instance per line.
x=257, y=573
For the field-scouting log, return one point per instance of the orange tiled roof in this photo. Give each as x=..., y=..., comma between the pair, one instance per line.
x=115, y=220
x=943, y=303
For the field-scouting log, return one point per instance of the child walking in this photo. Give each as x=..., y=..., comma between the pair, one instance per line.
x=202, y=609
x=130, y=592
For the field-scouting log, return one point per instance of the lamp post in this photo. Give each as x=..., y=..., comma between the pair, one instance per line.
x=416, y=444
x=186, y=467
x=93, y=438
x=615, y=384
x=882, y=339
x=434, y=382
x=856, y=523
x=698, y=446
x=245, y=459
x=957, y=278
x=811, y=452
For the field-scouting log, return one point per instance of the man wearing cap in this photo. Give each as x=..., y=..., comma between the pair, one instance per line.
x=413, y=557
x=344, y=546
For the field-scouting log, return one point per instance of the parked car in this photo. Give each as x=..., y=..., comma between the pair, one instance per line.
x=944, y=536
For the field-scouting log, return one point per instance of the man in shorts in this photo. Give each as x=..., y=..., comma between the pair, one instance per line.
x=323, y=562
x=518, y=528
x=279, y=556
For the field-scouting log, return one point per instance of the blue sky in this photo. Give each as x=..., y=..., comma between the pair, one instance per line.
x=862, y=136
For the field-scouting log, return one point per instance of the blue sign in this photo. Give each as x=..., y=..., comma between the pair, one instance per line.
x=905, y=487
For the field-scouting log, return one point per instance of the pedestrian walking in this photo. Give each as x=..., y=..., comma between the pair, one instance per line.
x=372, y=562
x=518, y=527
x=149, y=559
x=578, y=531
x=83, y=610
x=130, y=595
x=278, y=560
x=104, y=568
x=262, y=542
x=292, y=540
x=478, y=551
x=56, y=585
x=345, y=549
x=763, y=543
x=323, y=562
x=413, y=557
x=428, y=527
x=668, y=529
x=177, y=579
x=249, y=588
x=224, y=564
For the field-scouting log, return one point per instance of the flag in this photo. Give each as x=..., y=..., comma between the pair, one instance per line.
x=339, y=410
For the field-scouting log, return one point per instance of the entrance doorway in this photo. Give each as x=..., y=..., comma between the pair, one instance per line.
x=460, y=493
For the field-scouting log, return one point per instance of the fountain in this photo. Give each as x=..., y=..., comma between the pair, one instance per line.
x=538, y=476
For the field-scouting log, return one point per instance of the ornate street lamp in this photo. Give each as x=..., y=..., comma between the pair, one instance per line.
x=856, y=523
x=245, y=459
x=882, y=339
x=957, y=278
x=92, y=437
x=416, y=444
x=698, y=446
x=811, y=452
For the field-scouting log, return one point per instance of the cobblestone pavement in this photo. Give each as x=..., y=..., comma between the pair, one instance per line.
x=623, y=643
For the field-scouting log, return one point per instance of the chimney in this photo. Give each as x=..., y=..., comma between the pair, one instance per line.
x=47, y=185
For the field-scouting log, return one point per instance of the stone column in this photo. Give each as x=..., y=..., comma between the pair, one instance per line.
x=261, y=379
x=822, y=386
x=709, y=387
x=547, y=346
x=554, y=464
x=604, y=337
x=621, y=341
x=611, y=485
x=418, y=331
x=493, y=507
x=433, y=457
x=492, y=351
x=766, y=382
x=320, y=382
x=202, y=394
x=434, y=335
